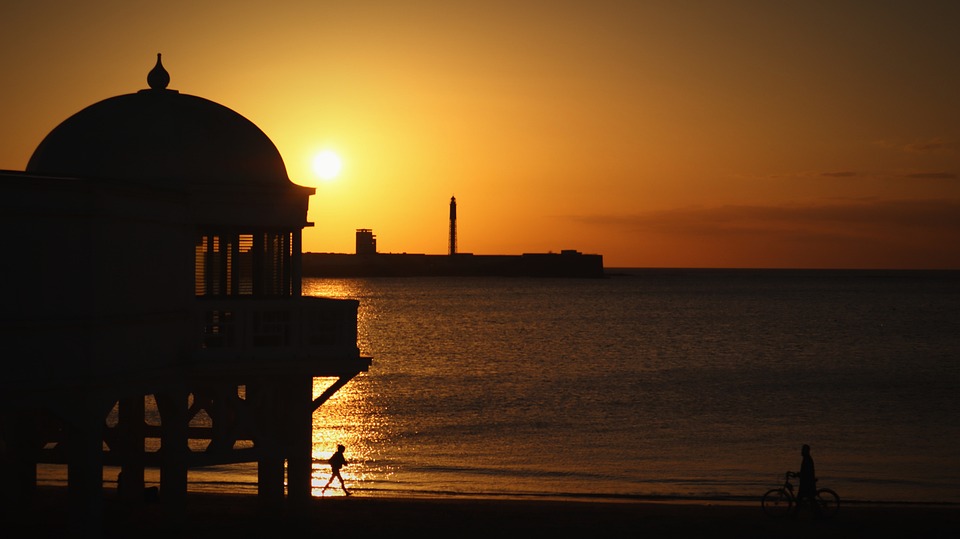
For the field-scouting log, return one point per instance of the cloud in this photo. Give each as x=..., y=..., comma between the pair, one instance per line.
x=932, y=176
x=835, y=212
x=932, y=145
x=831, y=233
x=842, y=174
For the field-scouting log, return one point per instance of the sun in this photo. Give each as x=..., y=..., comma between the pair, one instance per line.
x=327, y=165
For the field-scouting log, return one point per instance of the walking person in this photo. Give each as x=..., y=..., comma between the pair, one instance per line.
x=336, y=461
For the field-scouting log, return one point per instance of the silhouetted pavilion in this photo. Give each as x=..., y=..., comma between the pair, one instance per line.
x=153, y=254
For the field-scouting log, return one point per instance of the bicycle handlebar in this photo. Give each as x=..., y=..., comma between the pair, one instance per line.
x=797, y=475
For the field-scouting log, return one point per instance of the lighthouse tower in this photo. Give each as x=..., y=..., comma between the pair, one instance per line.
x=453, y=225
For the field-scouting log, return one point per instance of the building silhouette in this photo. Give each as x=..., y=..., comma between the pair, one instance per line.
x=155, y=278
x=366, y=242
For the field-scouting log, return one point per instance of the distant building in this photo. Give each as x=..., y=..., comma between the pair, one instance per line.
x=154, y=256
x=366, y=242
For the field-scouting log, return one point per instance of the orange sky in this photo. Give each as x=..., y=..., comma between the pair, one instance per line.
x=656, y=133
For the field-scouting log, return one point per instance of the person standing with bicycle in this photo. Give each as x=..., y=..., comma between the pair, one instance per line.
x=808, y=480
x=781, y=501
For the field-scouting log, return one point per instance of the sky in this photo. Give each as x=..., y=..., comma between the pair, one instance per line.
x=726, y=133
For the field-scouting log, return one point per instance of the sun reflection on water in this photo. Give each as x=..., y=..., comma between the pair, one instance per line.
x=333, y=288
x=347, y=418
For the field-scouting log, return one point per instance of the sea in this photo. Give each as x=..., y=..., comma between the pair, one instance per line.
x=648, y=384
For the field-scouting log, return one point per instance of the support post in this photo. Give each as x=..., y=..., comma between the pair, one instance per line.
x=85, y=466
x=19, y=476
x=270, y=472
x=130, y=483
x=173, y=407
x=299, y=438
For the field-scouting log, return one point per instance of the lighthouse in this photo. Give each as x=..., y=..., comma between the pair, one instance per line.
x=453, y=225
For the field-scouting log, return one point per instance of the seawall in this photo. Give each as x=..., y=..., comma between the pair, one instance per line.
x=563, y=264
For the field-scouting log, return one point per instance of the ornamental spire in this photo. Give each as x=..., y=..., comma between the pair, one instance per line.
x=158, y=78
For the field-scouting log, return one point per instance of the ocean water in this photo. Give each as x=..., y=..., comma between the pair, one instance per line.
x=649, y=384
x=653, y=383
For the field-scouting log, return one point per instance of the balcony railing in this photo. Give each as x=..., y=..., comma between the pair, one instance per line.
x=301, y=328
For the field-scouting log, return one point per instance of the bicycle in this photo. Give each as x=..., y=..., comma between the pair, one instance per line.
x=779, y=502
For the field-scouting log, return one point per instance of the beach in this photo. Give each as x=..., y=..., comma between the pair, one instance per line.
x=236, y=515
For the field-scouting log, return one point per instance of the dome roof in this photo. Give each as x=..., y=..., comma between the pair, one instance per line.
x=160, y=135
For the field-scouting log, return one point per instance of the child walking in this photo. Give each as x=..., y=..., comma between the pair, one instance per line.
x=337, y=461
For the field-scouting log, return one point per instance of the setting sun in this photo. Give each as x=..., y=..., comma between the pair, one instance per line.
x=327, y=165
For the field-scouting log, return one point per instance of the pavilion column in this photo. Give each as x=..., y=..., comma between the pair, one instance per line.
x=266, y=395
x=132, y=431
x=297, y=263
x=84, y=438
x=173, y=406
x=18, y=478
x=299, y=440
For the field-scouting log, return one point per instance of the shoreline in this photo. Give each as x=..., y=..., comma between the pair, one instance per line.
x=244, y=515
x=250, y=489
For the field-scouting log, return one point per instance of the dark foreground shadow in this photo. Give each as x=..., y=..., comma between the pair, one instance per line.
x=237, y=516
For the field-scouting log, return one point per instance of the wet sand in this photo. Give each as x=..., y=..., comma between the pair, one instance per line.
x=230, y=515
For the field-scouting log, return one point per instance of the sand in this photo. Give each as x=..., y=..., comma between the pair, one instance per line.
x=236, y=516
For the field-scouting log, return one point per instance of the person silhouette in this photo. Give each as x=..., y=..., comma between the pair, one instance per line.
x=807, y=491
x=336, y=461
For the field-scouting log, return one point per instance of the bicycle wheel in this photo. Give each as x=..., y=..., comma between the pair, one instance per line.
x=828, y=502
x=776, y=503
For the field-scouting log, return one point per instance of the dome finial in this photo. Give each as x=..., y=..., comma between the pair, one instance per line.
x=158, y=78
